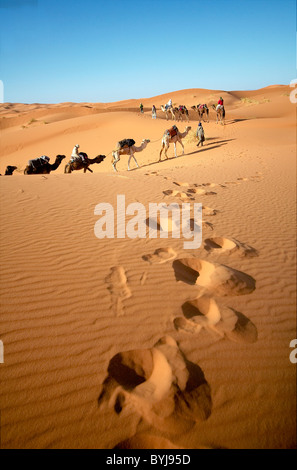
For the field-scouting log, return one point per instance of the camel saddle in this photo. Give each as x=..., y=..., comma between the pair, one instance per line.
x=172, y=131
x=37, y=162
x=81, y=157
x=126, y=143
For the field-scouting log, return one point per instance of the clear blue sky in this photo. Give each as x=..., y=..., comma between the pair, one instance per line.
x=95, y=50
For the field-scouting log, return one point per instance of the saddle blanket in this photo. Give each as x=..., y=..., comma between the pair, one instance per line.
x=172, y=131
x=81, y=157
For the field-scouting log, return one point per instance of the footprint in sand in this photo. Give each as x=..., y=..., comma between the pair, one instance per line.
x=242, y=179
x=160, y=384
x=164, y=225
x=160, y=256
x=173, y=193
x=197, y=191
x=179, y=183
x=213, y=277
x=146, y=441
x=256, y=178
x=143, y=278
x=117, y=285
x=229, y=245
x=203, y=312
x=210, y=185
x=205, y=225
x=209, y=211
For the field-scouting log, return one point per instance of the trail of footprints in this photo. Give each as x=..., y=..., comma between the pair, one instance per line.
x=119, y=290
x=165, y=389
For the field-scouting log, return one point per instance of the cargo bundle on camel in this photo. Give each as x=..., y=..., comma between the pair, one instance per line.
x=127, y=147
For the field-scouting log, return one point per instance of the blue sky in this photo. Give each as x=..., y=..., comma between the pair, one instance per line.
x=101, y=51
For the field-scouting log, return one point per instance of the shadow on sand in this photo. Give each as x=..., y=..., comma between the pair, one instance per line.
x=234, y=121
x=207, y=147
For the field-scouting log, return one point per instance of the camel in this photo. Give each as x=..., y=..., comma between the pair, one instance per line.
x=180, y=111
x=167, y=139
x=201, y=109
x=168, y=109
x=34, y=167
x=83, y=163
x=220, y=113
x=10, y=169
x=127, y=150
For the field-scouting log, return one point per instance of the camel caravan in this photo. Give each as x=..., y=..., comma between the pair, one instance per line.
x=126, y=147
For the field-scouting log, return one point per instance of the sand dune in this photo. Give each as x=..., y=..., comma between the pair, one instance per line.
x=141, y=343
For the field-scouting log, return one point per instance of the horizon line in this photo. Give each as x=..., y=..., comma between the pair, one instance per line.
x=148, y=98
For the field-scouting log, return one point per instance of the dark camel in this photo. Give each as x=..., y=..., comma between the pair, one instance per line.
x=83, y=164
x=9, y=170
x=180, y=111
x=201, y=109
x=43, y=169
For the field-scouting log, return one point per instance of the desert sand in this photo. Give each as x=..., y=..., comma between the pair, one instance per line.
x=141, y=343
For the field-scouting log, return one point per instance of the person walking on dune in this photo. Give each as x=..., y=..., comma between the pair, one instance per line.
x=200, y=134
x=154, y=112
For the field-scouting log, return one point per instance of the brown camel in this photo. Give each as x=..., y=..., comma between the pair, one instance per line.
x=83, y=163
x=128, y=148
x=220, y=110
x=38, y=167
x=180, y=112
x=171, y=137
x=201, y=109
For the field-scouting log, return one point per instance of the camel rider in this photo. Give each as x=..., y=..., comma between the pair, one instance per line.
x=77, y=156
x=220, y=103
x=74, y=154
x=169, y=104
